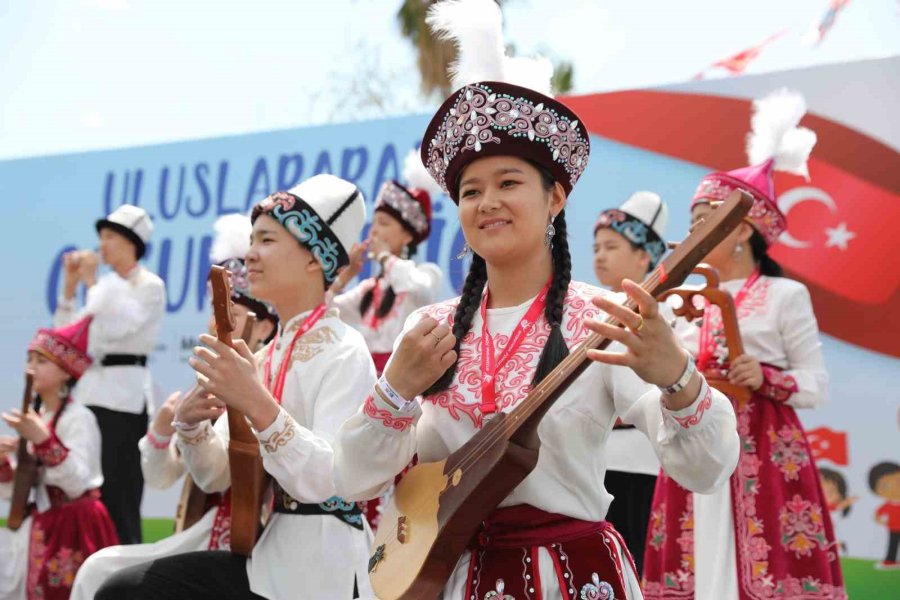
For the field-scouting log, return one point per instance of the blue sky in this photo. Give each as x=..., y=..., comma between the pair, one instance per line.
x=88, y=74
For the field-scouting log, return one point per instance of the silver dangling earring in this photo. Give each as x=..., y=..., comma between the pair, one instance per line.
x=548, y=236
x=464, y=252
x=64, y=391
x=404, y=253
x=738, y=250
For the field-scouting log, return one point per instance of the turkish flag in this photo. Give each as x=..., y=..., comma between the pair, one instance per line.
x=842, y=239
x=737, y=63
x=828, y=444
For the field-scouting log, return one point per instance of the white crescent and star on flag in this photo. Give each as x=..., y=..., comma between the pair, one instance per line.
x=837, y=237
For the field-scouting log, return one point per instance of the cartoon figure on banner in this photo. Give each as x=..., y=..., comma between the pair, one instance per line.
x=884, y=480
x=834, y=487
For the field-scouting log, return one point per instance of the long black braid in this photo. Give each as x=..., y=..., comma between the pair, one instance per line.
x=555, y=350
x=390, y=296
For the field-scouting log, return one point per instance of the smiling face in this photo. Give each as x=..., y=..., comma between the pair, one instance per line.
x=277, y=265
x=504, y=208
x=388, y=230
x=48, y=376
x=615, y=259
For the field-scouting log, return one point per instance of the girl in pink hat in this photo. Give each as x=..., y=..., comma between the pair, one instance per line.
x=66, y=521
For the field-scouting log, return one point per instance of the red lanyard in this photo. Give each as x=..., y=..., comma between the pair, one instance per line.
x=489, y=365
x=708, y=344
x=308, y=323
x=376, y=302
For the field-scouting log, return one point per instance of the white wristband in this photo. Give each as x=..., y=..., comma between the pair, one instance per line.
x=393, y=397
x=683, y=380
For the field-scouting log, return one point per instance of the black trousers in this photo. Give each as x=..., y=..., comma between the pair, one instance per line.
x=216, y=575
x=893, y=546
x=630, y=511
x=123, y=481
x=213, y=575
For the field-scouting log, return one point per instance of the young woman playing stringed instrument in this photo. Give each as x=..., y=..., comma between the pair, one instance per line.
x=161, y=461
x=510, y=156
x=295, y=393
x=67, y=522
x=768, y=533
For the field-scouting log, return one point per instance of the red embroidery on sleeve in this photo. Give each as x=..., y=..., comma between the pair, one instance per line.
x=386, y=417
x=693, y=419
x=776, y=384
x=51, y=451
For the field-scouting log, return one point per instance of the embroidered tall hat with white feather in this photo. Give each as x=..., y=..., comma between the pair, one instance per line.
x=410, y=204
x=775, y=143
x=503, y=105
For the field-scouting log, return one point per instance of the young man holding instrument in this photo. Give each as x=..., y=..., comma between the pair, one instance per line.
x=509, y=156
x=295, y=393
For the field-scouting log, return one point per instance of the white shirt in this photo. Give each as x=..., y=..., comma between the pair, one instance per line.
x=378, y=441
x=329, y=376
x=415, y=286
x=127, y=316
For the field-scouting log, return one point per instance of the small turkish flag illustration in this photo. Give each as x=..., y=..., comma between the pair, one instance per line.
x=828, y=444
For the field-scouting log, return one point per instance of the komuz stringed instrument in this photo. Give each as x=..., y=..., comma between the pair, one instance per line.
x=26, y=468
x=439, y=506
x=192, y=503
x=248, y=478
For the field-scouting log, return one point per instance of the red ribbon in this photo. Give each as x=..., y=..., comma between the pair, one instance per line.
x=308, y=324
x=491, y=365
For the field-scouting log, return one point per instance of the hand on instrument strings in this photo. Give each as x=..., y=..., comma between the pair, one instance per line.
x=424, y=353
x=8, y=446
x=652, y=351
x=29, y=425
x=198, y=407
x=231, y=375
x=746, y=371
x=162, y=421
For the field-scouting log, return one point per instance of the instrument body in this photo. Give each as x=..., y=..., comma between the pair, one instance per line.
x=26, y=469
x=428, y=526
x=248, y=478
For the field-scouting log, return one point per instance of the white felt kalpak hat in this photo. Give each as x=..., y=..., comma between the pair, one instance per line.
x=642, y=220
x=325, y=213
x=131, y=221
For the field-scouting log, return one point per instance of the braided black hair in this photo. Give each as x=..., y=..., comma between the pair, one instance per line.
x=555, y=350
x=767, y=265
x=390, y=296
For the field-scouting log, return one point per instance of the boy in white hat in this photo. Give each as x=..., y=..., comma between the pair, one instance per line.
x=628, y=243
x=117, y=387
x=296, y=393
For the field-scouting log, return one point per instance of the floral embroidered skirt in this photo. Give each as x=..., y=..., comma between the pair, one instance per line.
x=61, y=539
x=784, y=541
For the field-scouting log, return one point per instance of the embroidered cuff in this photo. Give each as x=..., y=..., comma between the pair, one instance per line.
x=777, y=385
x=692, y=414
x=7, y=473
x=382, y=414
x=193, y=437
x=51, y=451
x=159, y=442
x=282, y=430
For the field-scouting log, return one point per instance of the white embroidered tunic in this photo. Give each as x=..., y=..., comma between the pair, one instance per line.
x=778, y=327
x=126, y=321
x=697, y=445
x=329, y=375
x=415, y=286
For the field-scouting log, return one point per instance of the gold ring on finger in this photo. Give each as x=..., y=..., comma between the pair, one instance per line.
x=639, y=326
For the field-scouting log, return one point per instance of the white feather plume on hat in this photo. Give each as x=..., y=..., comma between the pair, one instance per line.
x=776, y=133
x=476, y=26
x=415, y=175
x=232, y=237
